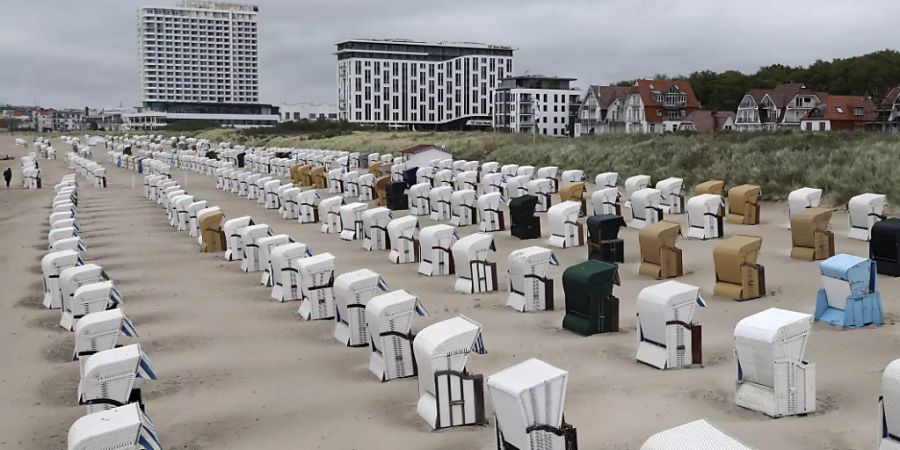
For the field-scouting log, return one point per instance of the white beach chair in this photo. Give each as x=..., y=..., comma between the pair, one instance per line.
x=542, y=188
x=492, y=217
x=100, y=331
x=308, y=206
x=420, y=199
x=351, y=220
x=864, y=210
x=388, y=322
x=646, y=208
x=404, y=245
x=463, y=211
x=375, y=228
x=125, y=427
x=565, y=231
x=352, y=291
x=474, y=273
x=671, y=195
x=668, y=338
x=330, y=214
x=70, y=280
x=530, y=289
x=316, y=281
x=250, y=257
x=108, y=377
x=801, y=199
x=696, y=435
x=434, y=250
x=52, y=264
x=286, y=279
x=704, y=216
x=232, y=229
x=439, y=199
x=264, y=247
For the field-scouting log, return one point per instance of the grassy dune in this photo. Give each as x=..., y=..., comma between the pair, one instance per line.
x=843, y=164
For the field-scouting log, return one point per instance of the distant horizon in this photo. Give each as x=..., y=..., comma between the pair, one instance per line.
x=71, y=64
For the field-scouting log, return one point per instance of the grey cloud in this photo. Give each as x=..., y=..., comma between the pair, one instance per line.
x=77, y=53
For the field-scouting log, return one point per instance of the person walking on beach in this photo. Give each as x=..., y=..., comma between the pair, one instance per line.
x=7, y=175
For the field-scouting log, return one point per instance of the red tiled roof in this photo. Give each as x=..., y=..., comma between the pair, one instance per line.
x=843, y=107
x=646, y=89
x=707, y=121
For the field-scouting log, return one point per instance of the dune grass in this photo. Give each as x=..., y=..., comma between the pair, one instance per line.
x=842, y=164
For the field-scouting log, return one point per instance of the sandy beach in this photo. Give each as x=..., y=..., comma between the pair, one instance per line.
x=240, y=371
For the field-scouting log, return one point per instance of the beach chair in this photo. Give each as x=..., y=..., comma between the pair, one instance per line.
x=591, y=307
x=212, y=232
x=516, y=186
x=565, y=230
x=319, y=178
x=381, y=190
x=474, y=273
x=330, y=214
x=574, y=191
x=668, y=338
x=607, y=180
x=264, y=247
x=108, y=378
x=272, y=200
x=250, y=255
x=525, y=225
x=375, y=232
x=467, y=180
x=743, y=204
x=801, y=199
x=509, y=170
x=491, y=182
x=696, y=435
x=52, y=265
x=645, y=208
x=604, y=243
x=419, y=199
x=316, y=281
x=704, y=217
x=849, y=296
x=884, y=246
x=489, y=167
x=72, y=243
x=442, y=178
x=634, y=184
x=671, y=195
x=492, y=217
x=712, y=187
x=232, y=229
x=70, y=280
x=773, y=376
x=366, y=187
x=542, y=188
x=193, y=225
x=605, y=200
x=864, y=210
x=90, y=298
x=285, y=277
x=388, y=320
x=98, y=331
x=810, y=237
x=436, y=257
x=351, y=220
x=529, y=399
x=889, y=408
x=59, y=234
x=397, y=199
x=352, y=291
x=308, y=206
x=738, y=276
x=403, y=243
x=463, y=211
x=449, y=396
x=530, y=288
x=124, y=427
x=660, y=258
x=350, y=181
x=290, y=210
x=335, y=181
x=439, y=199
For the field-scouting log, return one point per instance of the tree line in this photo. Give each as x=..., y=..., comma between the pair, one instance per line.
x=871, y=75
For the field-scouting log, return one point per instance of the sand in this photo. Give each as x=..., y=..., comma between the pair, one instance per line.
x=239, y=371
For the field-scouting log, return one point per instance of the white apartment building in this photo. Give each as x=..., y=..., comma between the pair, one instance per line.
x=410, y=84
x=199, y=51
x=536, y=104
x=199, y=61
x=309, y=111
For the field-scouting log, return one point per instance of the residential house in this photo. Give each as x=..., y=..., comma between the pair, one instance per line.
x=781, y=107
x=704, y=121
x=657, y=106
x=602, y=109
x=840, y=112
x=888, y=117
x=422, y=154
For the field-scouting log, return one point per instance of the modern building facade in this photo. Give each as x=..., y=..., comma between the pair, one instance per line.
x=307, y=111
x=408, y=84
x=536, y=104
x=200, y=58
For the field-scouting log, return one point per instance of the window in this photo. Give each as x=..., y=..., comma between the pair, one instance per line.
x=840, y=110
x=859, y=111
x=821, y=126
x=658, y=113
x=808, y=126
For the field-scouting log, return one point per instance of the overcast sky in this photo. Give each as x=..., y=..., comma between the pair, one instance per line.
x=75, y=53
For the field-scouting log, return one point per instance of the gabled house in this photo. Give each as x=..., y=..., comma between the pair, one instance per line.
x=888, y=117
x=781, y=107
x=602, y=109
x=656, y=106
x=840, y=112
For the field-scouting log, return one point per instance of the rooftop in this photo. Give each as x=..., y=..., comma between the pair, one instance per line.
x=432, y=44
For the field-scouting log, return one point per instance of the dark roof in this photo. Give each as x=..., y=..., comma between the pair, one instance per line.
x=423, y=147
x=707, y=121
x=605, y=95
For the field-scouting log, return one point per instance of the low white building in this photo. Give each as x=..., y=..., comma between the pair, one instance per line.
x=536, y=104
x=309, y=111
x=151, y=120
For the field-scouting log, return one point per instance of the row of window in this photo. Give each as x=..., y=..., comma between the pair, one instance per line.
x=180, y=14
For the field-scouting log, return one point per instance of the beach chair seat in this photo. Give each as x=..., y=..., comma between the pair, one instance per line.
x=849, y=296
x=463, y=211
x=646, y=208
x=124, y=427
x=388, y=321
x=743, y=204
x=285, y=277
x=351, y=220
x=810, y=237
x=212, y=237
x=108, y=378
x=491, y=216
x=565, y=229
x=330, y=214
x=316, y=281
x=474, y=273
x=696, y=435
x=375, y=231
x=352, y=291
x=403, y=243
x=232, y=228
x=668, y=337
x=704, y=217
x=738, y=276
x=439, y=199
x=591, y=307
x=660, y=258
x=864, y=210
x=604, y=243
x=435, y=254
x=530, y=287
